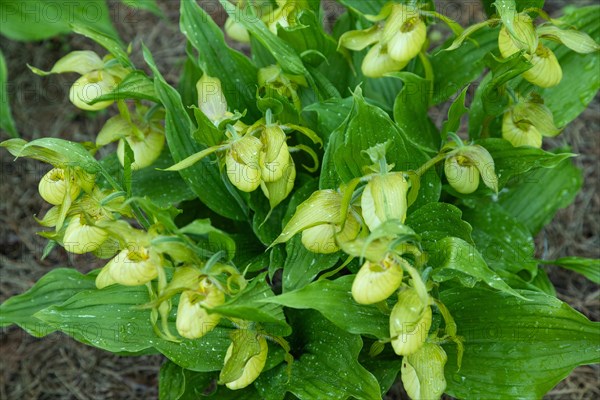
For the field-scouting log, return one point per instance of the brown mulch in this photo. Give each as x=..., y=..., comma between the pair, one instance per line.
x=57, y=367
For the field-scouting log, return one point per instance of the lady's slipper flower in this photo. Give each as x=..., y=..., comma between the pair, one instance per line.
x=97, y=79
x=53, y=186
x=464, y=166
x=211, y=99
x=251, y=367
x=461, y=174
x=274, y=155
x=146, y=148
x=243, y=163
x=378, y=62
x=423, y=372
x=384, y=198
x=410, y=321
x=236, y=30
x=546, y=71
x=193, y=320
x=146, y=138
x=527, y=122
x=131, y=267
x=404, y=33
x=376, y=282
x=321, y=222
x=325, y=238
x=279, y=190
x=81, y=237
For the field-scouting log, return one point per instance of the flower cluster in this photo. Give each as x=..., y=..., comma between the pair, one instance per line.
x=254, y=155
x=282, y=14
x=397, y=37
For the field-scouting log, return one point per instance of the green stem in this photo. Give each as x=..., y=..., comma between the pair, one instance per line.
x=423, y=168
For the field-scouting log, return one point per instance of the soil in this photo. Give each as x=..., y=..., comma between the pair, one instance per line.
x=57, y=367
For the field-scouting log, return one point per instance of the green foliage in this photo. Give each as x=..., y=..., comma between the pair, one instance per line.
x=324, y=142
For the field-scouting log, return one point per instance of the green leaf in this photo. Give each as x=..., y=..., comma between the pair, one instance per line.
x=503, y=241
x=136, y=86
x=410, y=111
x=452, y=255
x=52, y=289
x=112, y=43
x=385, y=366
x=39, y=19
x=302, y=266
x=6, y=120
x=148, y=5
x=285, y=55
x=456, y=112
x=107, y=319
x=588, y=267
x=216, y=240
x=330, y=114
x=515, y=348
x=521, y=5
x=218, y=60
x=163, y=188
x=176, y=383
x=325, y=367
x=255, y=304
x=435, y=221
x=371, y=7
x=457, y=68
x=171, y=381
x=334, y=300
x=491, y=98
x=535, y=199
x=357, y=134
x=581, y=80
x=510, y=161
x=58, y=152
x=308, y=38
x=204, y=174
x=112, y=320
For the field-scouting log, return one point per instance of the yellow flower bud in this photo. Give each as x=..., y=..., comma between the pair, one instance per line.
x=410, y=321
x=461, y=174
x=131, y=267
x=235, y=30
x=82, y=238
x=378, y=62
x=193, y=320
x=521, y=133
x=53, y=187
x=423, y=373
x=146, y=150
x=211, y=99
x=384, y=198
x=376, y=282
x=252, y=368
x=242, y=162
x=274, y=157
x=88, y=87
